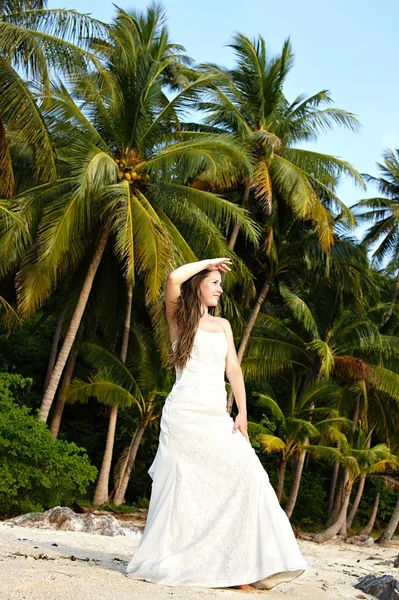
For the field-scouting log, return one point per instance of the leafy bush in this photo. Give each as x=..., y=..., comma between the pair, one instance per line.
x=36, y=471
x=142, y=502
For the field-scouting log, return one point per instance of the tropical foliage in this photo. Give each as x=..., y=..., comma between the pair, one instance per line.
x=106, y=185
x=36, y=471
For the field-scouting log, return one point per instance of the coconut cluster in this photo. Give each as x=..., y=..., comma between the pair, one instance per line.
x=128, y=172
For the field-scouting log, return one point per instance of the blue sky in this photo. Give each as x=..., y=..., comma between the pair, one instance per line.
x=349, y=47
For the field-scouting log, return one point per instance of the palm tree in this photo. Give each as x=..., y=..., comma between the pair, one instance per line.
x=35, y=41
x=103, y=386
x=322, y=338
x=62, y=392
x=249, y=101
x=368, y=528
x=356, y=459
x=390, y=483
x=392, y=525
x=294, y=428
x=335, y=342
x=155, y=383
x=343, y=272
x=100, y=323
x=382, y=212
x=114, y=384
x=149, y=412
x=126, y=170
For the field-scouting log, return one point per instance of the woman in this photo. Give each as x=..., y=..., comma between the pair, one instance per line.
x=214, y=519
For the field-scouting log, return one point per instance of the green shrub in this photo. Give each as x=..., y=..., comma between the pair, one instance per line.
x=36, y=471
x=142, y=502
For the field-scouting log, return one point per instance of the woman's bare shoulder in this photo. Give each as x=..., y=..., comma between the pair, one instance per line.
x=224, y=323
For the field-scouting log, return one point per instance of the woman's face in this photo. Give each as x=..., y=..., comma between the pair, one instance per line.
x=211, y=288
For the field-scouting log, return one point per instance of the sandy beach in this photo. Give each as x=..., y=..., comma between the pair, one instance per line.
x=40, y=564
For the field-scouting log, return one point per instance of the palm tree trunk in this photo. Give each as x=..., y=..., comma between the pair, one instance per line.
x=331, y=531
x=289, y=509
x=356, y=502
x=73, y=328
x=337, y=501
x=340, y=497
x=391, y=527
x=355, y=415
x=360, y=489
x=66, y=380
x=234, y=235
x=251, y=323
x=53, y=352
x=342, y=529
x=7, y=181
x=236, y=228
x=370, y=525
x=247, y=299
x=394, y=298
x=126, y=327
x=101, y=493
x=131, y=457
x=280, y=478
x=333, y=486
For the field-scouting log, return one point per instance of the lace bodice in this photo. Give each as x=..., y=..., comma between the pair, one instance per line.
x=207, y=361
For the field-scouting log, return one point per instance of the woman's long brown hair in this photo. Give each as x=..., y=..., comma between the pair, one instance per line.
x=187, y=316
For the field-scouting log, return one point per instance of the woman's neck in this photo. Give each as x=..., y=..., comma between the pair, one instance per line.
x=204, y=311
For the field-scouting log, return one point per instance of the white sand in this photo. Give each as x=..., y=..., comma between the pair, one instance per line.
x=332, y=571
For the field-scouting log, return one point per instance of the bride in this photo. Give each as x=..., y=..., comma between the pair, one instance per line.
x=213, y=519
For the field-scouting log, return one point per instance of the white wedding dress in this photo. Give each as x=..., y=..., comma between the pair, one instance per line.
x=213, y=520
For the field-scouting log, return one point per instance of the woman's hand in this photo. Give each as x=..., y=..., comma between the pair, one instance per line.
x=241, y=424
x=221, y=264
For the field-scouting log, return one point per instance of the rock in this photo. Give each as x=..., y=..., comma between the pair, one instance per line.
x=65, y=519
x=360, y=540
x=384, y=563
x=385, y=587
x=396, y=562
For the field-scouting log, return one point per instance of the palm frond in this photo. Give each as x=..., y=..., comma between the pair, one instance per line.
x=388, y=382
x=300, y=310
x=56, y=38
x=271, y=443
x=325, y=354
x=153, y=252
x=277, y=328
x=102, y=387
x=262, y=185
x=220, y=210
x=8, y=316
x=221, y=157
x=301, y=429
x=21, y=114
x=175, y=109
x=330, y=454
x=265, y=400
x=103, y=360
x=265, y=348
x=319, y=165
x=292, y=184
x=182, y=251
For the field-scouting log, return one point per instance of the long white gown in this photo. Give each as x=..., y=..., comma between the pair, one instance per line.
x=213, y=520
